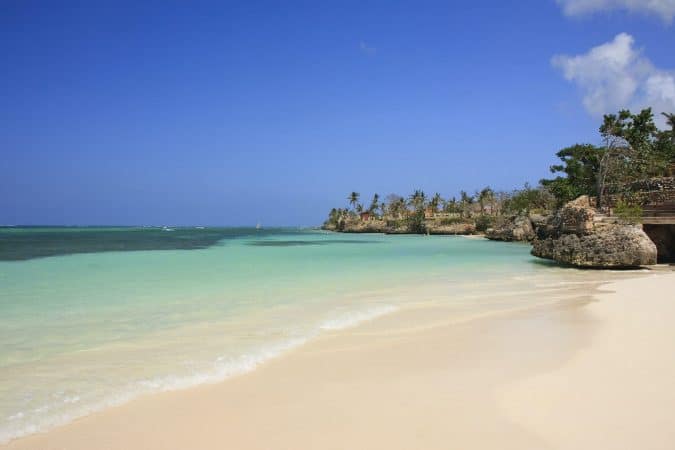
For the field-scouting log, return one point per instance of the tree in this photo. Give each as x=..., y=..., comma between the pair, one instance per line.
x=500, y=199
x=580, y=165
x=465, y=202
x=333, y=216
x=393, y=205
x=353, y=199
x=670, y=121
x=415, y=221
x=486, y=195
x=529, y=199
x=435, y=201
x=374, y=204
x=418, y=199
x=630, y=152
x=665, y=142
x=450, y=206
x=383, y=209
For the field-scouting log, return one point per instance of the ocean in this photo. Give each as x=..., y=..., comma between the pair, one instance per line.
x=94, y=317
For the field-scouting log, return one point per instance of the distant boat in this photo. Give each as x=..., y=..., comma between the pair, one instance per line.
x=258, y=226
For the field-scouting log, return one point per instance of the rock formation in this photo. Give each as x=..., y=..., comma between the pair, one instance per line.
x=358, y=226
x=401, y=227
x=512, y=228
x=576, y=235
x=463, y=228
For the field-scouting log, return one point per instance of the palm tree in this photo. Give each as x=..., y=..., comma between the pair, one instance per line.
x=353, y=199
x=436, y=200
x=486, y=195
x=417, y=199
x=374, y=204
x=393, y=209
x=450, y=205
x=383, y=209
x=398, y=207
x=465, y=201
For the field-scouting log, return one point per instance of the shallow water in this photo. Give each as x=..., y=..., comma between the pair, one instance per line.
x=115, y=313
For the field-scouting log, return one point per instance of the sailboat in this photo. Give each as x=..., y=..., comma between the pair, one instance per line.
x=258, y=226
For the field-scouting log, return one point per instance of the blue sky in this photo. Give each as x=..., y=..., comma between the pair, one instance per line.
x=230, y=113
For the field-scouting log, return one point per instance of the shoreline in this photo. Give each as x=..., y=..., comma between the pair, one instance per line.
x=318, y=394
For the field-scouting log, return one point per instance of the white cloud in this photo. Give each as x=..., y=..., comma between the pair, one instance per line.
x=663, y=8
x=616, y=75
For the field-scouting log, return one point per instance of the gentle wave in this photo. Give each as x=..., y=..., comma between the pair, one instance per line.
x=355, y=318
x=25, y=423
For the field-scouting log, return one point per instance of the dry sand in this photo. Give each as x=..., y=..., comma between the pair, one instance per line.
x=596, y=373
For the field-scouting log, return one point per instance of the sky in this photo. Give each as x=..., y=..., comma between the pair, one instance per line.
x=234, y=113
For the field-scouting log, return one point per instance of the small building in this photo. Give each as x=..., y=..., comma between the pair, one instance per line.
x=366, y=216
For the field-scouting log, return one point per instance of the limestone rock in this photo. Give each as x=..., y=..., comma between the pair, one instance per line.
x=513, y=228
x=365, y=226
x=463, y=228
x=573, y=236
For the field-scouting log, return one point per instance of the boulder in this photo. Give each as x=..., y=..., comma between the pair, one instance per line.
x=538, y=220
x=574, y=236
x=512, y=228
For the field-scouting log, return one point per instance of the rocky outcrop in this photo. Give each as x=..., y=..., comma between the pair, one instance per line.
x=362, y=226
x=401, y=227
x=329, y=227
x=463, y=228
x=574, y=235
x=512, y=228
x=613, y=247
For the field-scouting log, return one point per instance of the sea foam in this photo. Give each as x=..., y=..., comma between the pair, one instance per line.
x=39, y=419
x=354, y=318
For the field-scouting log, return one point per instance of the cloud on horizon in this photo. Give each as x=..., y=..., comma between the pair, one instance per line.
x=663, y=8
x=616, y=75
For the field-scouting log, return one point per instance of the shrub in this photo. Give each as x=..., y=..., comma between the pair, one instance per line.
x=530, y=199
x=627, y=211
x=483, y=222
x=450, y=220
x=415, y=222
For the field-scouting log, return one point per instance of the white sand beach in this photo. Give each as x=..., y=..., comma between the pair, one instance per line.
x=592, y=373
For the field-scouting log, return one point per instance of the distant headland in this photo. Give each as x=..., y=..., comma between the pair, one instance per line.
x=606, y=206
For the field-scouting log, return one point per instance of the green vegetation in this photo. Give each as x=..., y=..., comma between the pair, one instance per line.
x=450, y=220
x=633, y=149
x=483, y=222
x=415, y=222
x=628, y=212
x=580, y=164
x=529, y=199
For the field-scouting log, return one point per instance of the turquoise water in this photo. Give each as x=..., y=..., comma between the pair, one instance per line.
x=116, y=313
